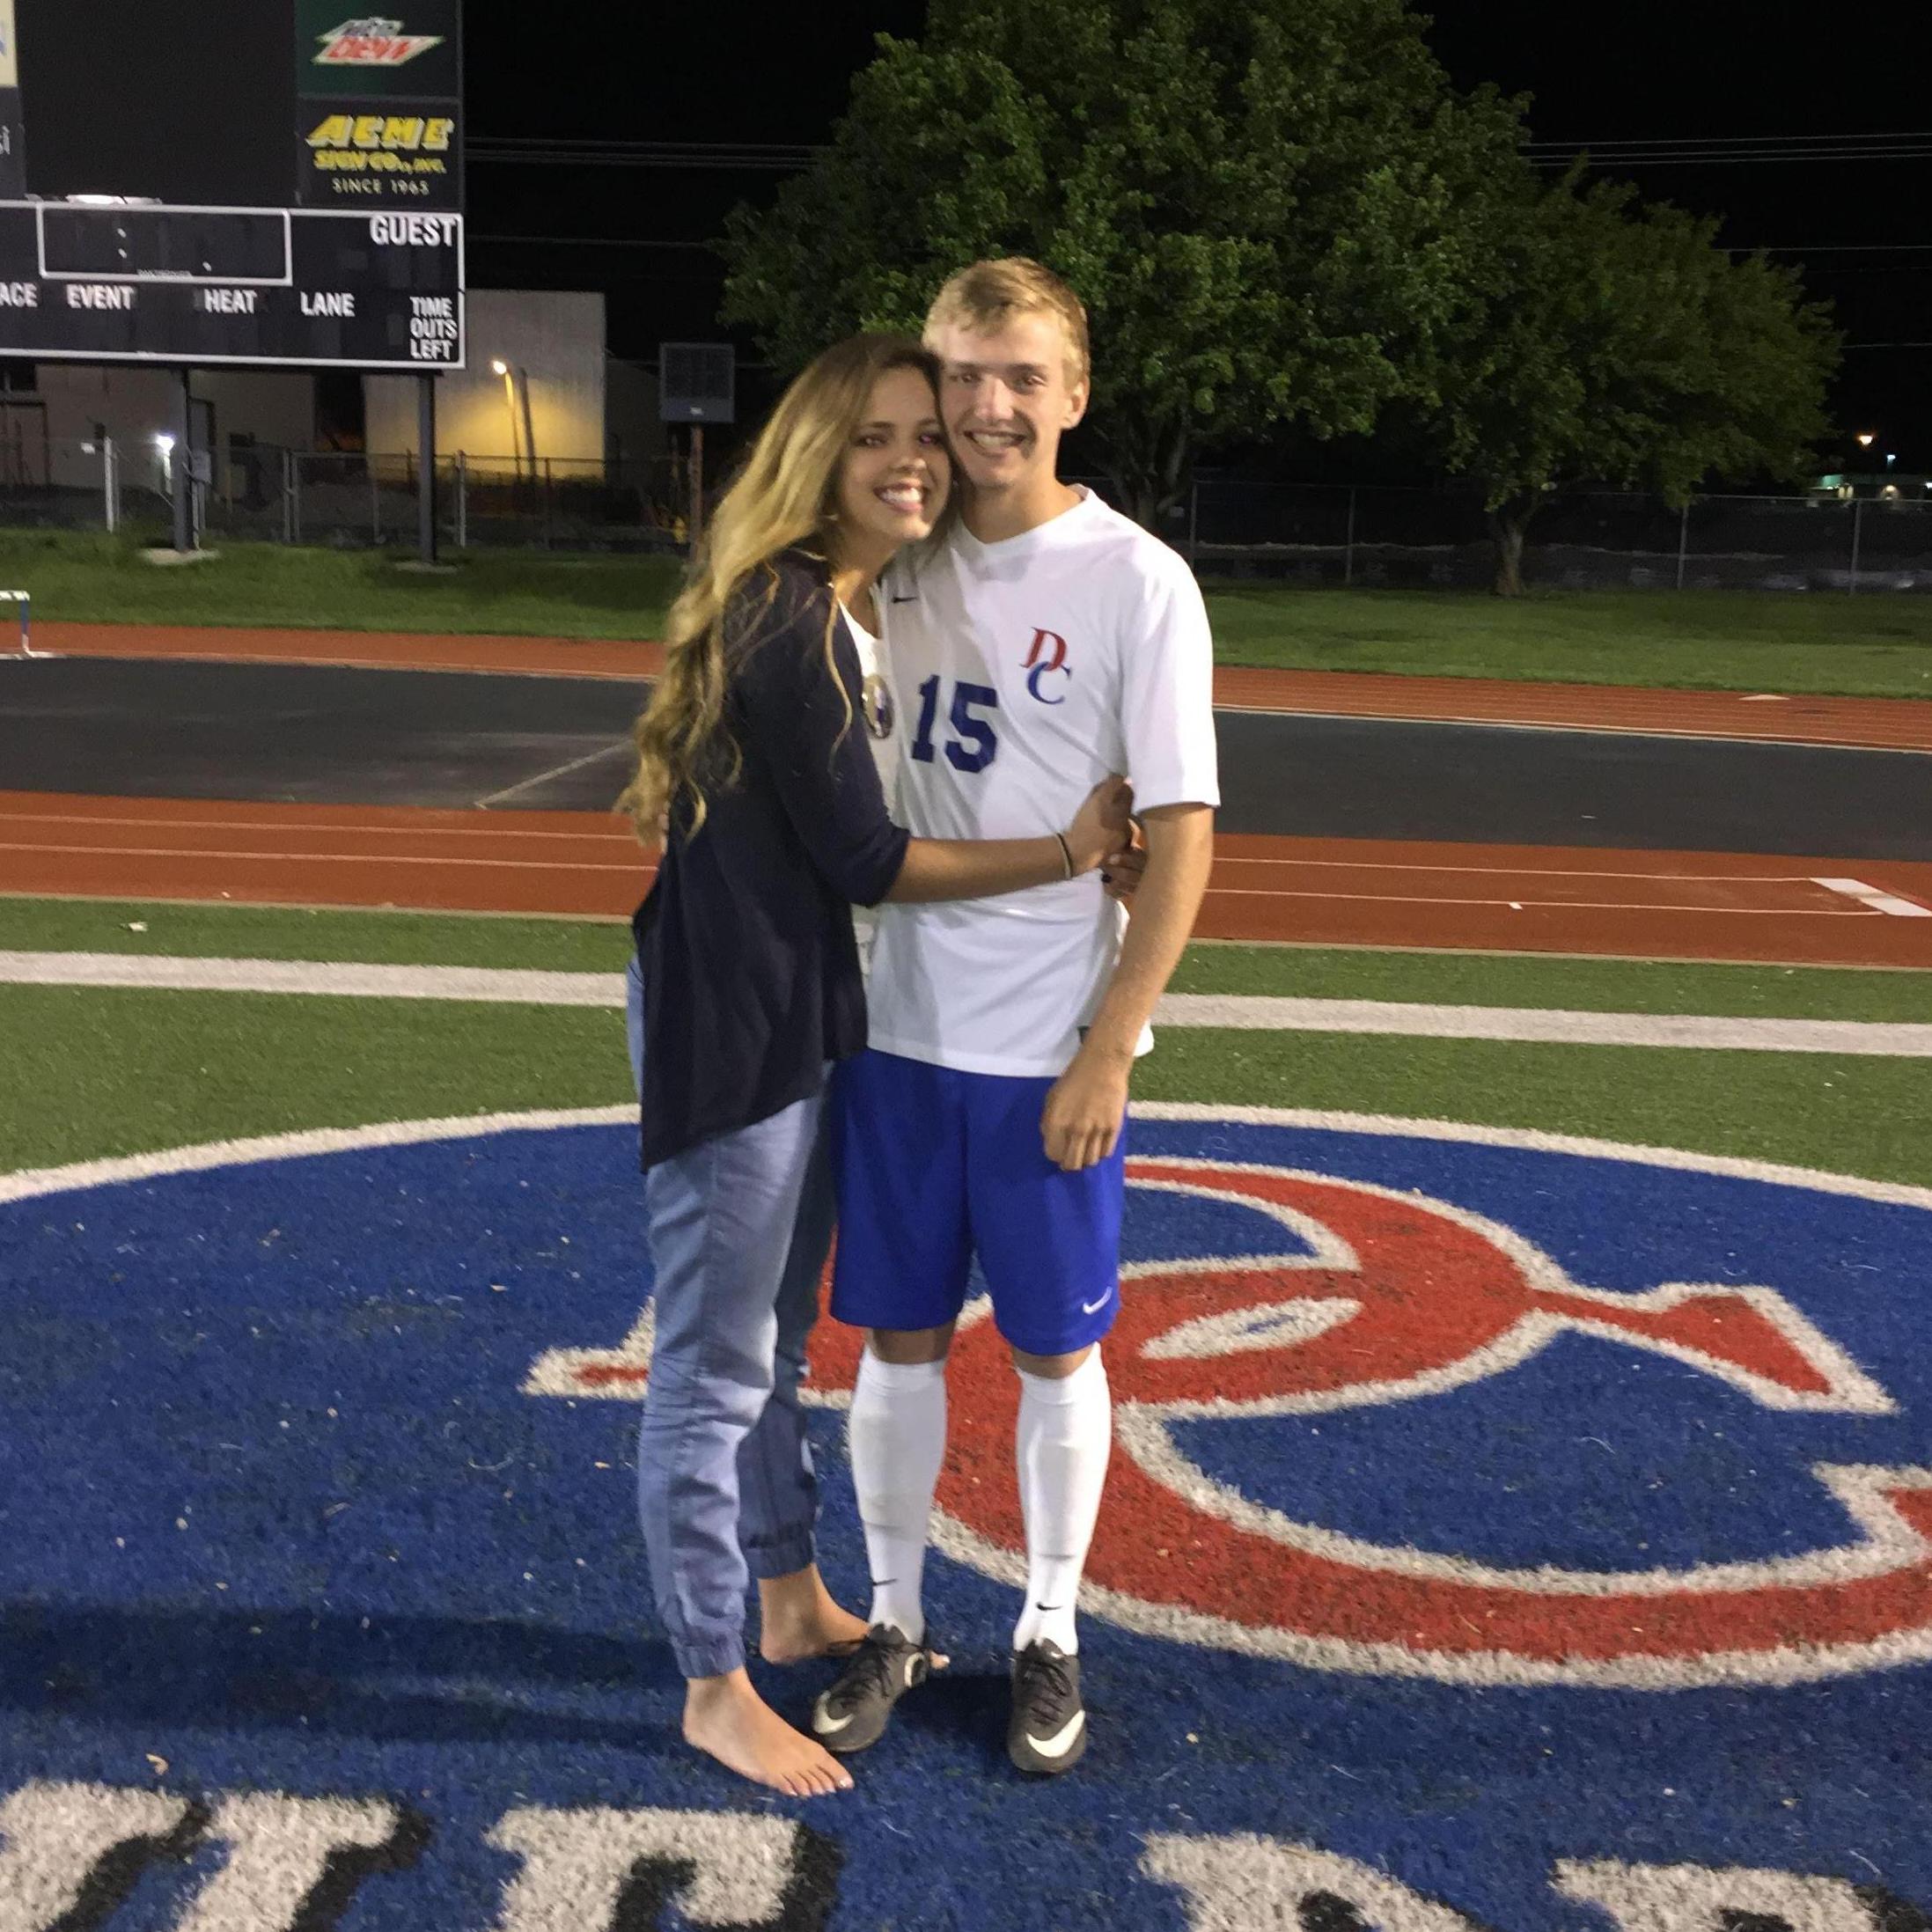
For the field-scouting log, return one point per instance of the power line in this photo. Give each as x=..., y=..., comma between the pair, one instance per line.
x=1732, y=140
x=1731, y=150
x=1832, y=248
x=587, y=241
x=728, y=156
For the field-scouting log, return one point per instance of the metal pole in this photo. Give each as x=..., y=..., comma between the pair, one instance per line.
x=426, y=468
x=462, y=500
x=1683, y=540
x=179, y=470
x=549, y=502
x=288, y=496
x=1349, y=556
x=697, y=483
x=1858, y=526
x=110, y=484
x=294, y=496
x=529, y=426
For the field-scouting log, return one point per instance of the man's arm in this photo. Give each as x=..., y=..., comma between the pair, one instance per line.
x=1087, y=1106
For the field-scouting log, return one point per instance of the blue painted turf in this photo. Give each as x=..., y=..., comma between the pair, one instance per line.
x=272, y=1509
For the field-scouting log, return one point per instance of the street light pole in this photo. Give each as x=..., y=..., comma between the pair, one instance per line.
x=501, y=368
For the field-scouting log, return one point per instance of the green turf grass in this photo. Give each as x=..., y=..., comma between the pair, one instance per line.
x=262, y=932
x=564, y=945
x=1697, y=640
x=1879, y=645
x=92, y=1073
x=1854, y=1116
x=102, y=579
x=1594, y=986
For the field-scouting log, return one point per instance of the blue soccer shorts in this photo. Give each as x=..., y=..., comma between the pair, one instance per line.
x=936, y=1166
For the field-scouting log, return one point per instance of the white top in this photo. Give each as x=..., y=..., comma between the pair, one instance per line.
x=1027, y=671
x=882, y=734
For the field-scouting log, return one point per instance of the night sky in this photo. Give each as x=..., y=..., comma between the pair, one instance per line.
x=1642, y=70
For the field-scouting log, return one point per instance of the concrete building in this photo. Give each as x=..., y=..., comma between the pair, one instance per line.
x=539, y=389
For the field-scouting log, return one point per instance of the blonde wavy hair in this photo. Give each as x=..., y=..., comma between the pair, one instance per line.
x=784, y=497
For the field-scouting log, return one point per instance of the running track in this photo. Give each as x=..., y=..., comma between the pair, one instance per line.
x=1875, y=723
x=1541, y=898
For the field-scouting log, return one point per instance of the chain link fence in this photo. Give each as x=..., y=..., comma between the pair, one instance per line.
x=1371, y=536
x=256, y=492
x=1384, y=537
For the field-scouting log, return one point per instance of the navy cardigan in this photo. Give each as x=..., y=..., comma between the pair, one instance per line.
x=750, y=975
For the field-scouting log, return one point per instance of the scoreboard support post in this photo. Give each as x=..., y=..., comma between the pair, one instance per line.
x=181, y=468
x=426, y=470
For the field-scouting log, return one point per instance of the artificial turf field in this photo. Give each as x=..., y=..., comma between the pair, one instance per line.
x=1520, y=1507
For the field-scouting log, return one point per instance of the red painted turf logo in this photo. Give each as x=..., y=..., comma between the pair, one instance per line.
x=1390, y=1296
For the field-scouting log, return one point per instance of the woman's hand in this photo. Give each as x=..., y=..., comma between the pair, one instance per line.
x=1099, y=828
x=1121, y=871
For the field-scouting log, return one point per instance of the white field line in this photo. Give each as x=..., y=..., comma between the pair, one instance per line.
x=1895, y=1038
x=1876, y=898
x=505, y=985
x=556, y=771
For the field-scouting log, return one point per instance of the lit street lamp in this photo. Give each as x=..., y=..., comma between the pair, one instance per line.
x=501, y=368
x=510, y=379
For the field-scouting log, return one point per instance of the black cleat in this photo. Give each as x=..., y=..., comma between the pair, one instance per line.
x=1048, y=1731
x=853, y=1713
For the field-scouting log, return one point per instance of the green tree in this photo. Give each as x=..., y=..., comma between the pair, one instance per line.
x=1608, y=341
x=1260, y=201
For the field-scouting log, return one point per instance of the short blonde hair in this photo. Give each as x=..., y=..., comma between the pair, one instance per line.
x=985, y=296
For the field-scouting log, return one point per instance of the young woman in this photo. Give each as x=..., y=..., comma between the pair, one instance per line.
x=753, y=752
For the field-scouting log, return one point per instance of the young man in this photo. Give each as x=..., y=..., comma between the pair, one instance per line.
x=1048, y=642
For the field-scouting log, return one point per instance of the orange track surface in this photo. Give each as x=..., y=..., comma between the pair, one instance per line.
x=1657, y=905
x=1881, y=723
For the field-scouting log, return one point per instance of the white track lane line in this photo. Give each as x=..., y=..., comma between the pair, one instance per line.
x=236, y=823
x=1548, y=904
x=1876, y=898
x=327, y=858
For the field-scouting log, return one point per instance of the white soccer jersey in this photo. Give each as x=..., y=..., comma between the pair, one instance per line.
x=1024, y=671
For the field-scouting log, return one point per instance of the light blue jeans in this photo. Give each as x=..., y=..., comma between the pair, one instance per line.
x=741, y=1226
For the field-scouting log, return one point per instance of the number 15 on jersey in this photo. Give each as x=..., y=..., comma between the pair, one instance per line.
x=974, y=743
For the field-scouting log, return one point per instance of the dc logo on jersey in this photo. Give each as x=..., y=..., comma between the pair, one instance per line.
x=1047, y=668
x=1481, y=1413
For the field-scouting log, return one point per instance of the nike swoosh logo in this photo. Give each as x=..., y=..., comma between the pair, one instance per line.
x=1063, y=1740
x=829, y=1726
x=1094, y=1308
x=913, y=599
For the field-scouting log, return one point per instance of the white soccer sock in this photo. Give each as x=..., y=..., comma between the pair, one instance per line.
x=898, y=1433
x=1060, y=1448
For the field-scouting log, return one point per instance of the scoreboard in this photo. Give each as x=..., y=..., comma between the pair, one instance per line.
x=271, y=182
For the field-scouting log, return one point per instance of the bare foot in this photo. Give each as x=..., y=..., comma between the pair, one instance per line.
x=799, y=1618
x=726, y=1717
